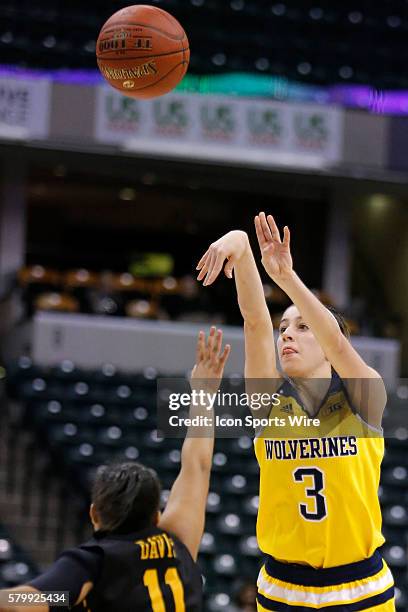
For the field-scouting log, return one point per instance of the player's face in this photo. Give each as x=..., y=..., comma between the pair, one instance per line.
x=299, y=352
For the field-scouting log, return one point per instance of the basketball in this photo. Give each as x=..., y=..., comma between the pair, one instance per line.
x=143, y=51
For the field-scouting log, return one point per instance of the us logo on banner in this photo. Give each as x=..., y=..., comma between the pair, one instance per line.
x=226, y=129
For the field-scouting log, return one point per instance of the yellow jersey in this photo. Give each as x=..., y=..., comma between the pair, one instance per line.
x=319, y=478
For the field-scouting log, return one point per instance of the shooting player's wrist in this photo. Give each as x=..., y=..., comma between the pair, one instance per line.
x=284, y=281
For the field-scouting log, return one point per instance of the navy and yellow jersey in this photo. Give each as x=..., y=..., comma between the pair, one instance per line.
x=318, y=496
x=147, y=571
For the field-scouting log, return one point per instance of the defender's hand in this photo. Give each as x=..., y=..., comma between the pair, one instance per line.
x=210, y=361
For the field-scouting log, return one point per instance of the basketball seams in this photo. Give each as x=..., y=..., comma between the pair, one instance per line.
x=140, y=57
x=152, y=11
x=170, y=19
x=142, y=25
x=185, y=60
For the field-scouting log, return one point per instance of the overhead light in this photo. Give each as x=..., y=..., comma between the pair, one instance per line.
x=169, y=283
x=304, y=68
x=7, y=38
x=49, y=42
x=126, y=279
x=219, y=59
x=346, y=72
x=37, y=271
x=378, y=202
x=127, y=194
x=262, y=63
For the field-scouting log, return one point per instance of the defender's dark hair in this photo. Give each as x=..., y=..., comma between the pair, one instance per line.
x=126, y=496
x=344, y=328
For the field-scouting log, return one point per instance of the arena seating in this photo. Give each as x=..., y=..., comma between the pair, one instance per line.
x=84, y=418
x=15, y=567
x=123, y=294
x=264, y=36
x=107, y=293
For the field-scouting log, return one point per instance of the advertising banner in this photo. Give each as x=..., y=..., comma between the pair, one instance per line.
x=222, y=128
x=24, y=108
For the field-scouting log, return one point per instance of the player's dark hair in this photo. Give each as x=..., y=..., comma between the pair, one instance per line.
x=344, y=328
x=126, y=496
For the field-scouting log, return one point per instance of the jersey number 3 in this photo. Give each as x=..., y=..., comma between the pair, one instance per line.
x=172, y=579
x=319, y=511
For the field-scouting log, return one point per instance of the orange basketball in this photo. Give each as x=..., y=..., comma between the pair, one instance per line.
x=143, y=51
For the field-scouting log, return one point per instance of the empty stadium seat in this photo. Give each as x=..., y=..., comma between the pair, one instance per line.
x=226, y=565
x=14, y=572
x=395, y=556
x=396, y=516
x=248, y=546
x=401, y=598
x=208, y=544
x=230, y=524
x=56, y=302
x=238, y=484
x=6, y=549
x=15, y=566
x=214, y=503
x=219, y=602
x=36, y=280
x=396, y=476
x=78, y=283
x=251, y=505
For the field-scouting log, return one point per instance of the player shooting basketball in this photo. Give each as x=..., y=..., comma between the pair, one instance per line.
x=139, y=559
x=319, y=518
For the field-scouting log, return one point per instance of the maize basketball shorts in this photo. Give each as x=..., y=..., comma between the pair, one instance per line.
x=365, y=585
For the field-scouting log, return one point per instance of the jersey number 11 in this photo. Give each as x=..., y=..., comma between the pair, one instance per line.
x=172, y=579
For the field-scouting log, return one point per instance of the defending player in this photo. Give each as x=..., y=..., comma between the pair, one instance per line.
x=139, y=559
x=319, y=518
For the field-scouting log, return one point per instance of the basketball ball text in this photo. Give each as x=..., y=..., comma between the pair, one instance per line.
x=117, y=43
x=144, y=43
x=138, y=72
